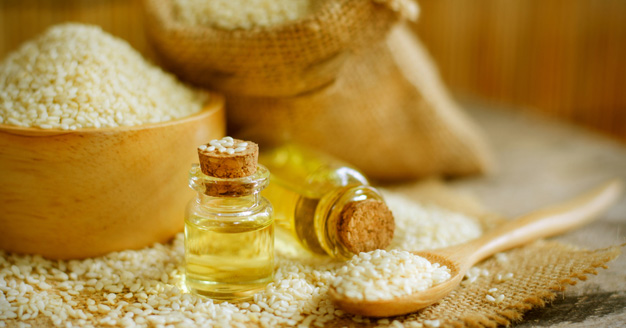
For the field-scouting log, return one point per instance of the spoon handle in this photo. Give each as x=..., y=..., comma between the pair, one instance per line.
x=549, y=221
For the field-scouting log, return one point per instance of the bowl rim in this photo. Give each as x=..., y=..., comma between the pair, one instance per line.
x=215, y=103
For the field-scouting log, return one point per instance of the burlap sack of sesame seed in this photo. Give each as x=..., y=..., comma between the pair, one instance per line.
x=349, y=79
x=539, y=270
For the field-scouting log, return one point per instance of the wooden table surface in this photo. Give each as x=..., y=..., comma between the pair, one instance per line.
x=541, y=162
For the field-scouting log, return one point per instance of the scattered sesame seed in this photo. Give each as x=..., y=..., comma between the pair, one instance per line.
x=135, y=292
x=432, y=323
x=501, y=258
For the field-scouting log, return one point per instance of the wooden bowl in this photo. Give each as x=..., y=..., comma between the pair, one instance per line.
x=75, y=194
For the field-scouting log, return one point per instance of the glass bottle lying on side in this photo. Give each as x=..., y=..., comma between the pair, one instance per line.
x=323, y=204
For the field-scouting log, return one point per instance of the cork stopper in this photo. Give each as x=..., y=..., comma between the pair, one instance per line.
x=228, y=158
x=365, y=226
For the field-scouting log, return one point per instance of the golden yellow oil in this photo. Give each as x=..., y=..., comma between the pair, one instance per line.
x=300, y=180
x=229, y=260
x=294, y=215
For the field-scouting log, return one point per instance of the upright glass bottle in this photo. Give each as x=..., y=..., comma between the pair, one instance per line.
x=229, y=233
x=323, y=204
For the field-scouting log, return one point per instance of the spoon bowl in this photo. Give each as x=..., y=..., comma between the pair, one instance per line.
x=545, y=222
x=405, y=304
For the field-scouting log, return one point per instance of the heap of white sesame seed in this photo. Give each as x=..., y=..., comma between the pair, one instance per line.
x=429, y=228
x=246, y=14
x=381, y=275
x=225, y=145
x=144, y=288
x=77, y=76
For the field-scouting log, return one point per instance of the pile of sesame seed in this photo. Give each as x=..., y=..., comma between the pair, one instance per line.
x=244, y=14
x=430, y=227
x=77, y=76
x=225, y=145
x=144, y=288
x=381, y=275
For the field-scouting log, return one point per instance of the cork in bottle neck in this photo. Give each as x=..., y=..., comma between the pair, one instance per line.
x=230, y=166
x=365, y=226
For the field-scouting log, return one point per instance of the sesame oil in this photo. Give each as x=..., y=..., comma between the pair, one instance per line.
x=229, y=258
x=229, y=227
x=309, y=191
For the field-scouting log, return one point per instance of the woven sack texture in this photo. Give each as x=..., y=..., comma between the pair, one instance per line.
x=540, y=270
x=351, y=80
x=284, y=60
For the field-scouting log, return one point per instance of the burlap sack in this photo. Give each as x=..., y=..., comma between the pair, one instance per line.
x=350, y=80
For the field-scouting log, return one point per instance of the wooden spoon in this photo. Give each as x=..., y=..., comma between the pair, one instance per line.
x=545, y=222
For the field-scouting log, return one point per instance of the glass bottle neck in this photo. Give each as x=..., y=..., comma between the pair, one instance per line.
x=329, y=211
x=228, y=204
x=228, y=195
x=224, y=187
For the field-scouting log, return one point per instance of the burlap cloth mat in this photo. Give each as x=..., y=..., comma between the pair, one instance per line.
x=540, y=269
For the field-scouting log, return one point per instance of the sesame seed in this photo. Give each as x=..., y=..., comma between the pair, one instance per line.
x=246, y=14
x=432, y=323
x=86, y=78
x=386, y=274
x=135, y=292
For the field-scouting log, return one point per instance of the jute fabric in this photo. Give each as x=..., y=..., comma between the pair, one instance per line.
x=351, y=80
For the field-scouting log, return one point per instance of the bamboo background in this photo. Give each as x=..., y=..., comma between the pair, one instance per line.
x=565, y=58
